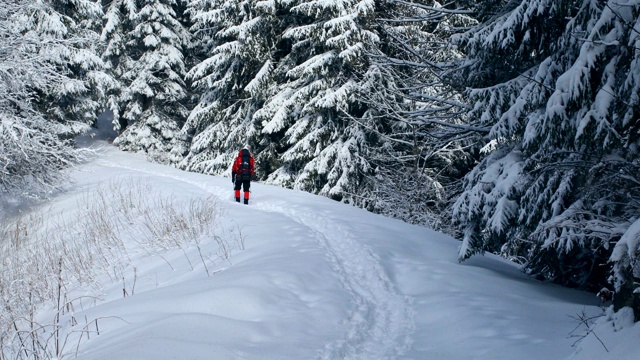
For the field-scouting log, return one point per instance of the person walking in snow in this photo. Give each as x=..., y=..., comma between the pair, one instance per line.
x=242, y=172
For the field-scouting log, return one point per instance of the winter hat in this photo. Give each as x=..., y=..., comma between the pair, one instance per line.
x=246, y=146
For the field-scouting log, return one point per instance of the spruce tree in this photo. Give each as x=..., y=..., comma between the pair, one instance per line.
x=146, y=45
x=556, y=82
x=118, y=21
x=281, y=76
x=71, y=26
x=309, y=122
x=295, y=80
x=237, y=42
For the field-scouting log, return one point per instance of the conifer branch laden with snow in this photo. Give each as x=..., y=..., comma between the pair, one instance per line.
x=557, y=84
x=70, y=43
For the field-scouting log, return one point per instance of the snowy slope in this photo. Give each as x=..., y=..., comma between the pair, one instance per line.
x=314, y=279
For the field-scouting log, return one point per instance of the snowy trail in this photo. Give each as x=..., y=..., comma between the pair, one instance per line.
x=381, y=321
x=380, y=324
x=319, y=280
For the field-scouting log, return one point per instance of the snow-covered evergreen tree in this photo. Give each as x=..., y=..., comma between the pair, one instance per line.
x=309, y=122
x=72, y=46
x=33, y=149
x=118, y=21
x=557, y=83
x=146, y=44
x=237, y=41
x=294, y=79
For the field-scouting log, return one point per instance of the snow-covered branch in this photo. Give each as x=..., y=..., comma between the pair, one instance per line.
x=34, y=149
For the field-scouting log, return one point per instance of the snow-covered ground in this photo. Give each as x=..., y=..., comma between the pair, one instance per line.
x=310, y=278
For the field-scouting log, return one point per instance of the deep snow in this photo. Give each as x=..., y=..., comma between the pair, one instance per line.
x=316, y=279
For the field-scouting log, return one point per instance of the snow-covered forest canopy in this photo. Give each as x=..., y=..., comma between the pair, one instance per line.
x=512, y=125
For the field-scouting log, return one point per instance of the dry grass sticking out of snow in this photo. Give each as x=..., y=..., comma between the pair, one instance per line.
x=39, y=263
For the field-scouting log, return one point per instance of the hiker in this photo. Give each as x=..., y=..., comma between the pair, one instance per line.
x=242, y=172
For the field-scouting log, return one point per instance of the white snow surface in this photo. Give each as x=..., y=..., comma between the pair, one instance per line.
x=317, y=279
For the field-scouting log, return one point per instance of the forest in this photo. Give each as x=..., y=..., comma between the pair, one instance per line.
x=512, y=125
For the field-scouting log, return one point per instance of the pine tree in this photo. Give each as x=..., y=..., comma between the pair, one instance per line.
x=151, y=69
x=292, y=79
x=557, y=84
x=310, y=113
x=237, y=40
x=118, y=21
x=269, y=85
x=71, y=26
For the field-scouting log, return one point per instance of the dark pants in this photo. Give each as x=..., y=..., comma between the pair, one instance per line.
x=245, y=184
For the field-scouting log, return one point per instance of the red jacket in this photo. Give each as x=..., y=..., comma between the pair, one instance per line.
x=236, y=164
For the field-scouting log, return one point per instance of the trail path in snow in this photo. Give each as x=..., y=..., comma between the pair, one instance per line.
x=380, y=323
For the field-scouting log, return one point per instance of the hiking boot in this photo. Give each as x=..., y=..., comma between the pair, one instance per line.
x=238, y=199
x=246, y=201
